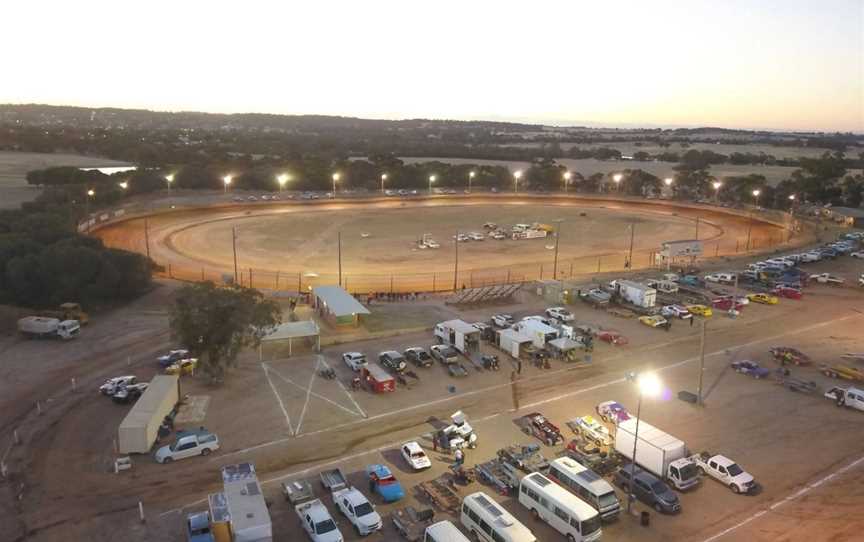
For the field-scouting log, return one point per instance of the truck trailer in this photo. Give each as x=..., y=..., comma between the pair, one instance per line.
x=459, y=334
x=636, y=293
x=657, y=452
x=40, y=327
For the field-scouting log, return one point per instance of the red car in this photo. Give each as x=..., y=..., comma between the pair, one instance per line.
x=612, y=337
x=788, y=293
x=725, y=303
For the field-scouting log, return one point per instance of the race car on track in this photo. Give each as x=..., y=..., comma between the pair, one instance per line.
x=700, y=310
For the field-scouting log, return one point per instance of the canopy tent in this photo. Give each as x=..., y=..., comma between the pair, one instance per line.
x=291, y=331
x=337, y=305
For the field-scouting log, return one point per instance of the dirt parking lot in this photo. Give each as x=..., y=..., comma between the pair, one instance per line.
x=291, y=423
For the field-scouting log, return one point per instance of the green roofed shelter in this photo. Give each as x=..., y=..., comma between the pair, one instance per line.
x=337, y=306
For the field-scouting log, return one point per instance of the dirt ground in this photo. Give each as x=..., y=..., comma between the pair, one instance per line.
x=285, y=245
x=292, y=423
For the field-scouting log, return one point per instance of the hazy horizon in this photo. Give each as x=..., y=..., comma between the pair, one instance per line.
x=784, y=66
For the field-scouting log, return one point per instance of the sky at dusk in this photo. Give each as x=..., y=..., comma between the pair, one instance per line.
x=793, y=64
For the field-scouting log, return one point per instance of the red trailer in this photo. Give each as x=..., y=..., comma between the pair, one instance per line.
x=377, y=379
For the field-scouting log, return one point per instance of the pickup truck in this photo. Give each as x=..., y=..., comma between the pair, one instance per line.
x=826, y=278
x=445, y=354
x=850, y=397
x=188, y=444
x=358, y=510
x=317, y=522
x=725, y=471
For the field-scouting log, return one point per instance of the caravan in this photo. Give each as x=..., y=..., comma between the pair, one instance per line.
x=562, y=510
x=487, y=521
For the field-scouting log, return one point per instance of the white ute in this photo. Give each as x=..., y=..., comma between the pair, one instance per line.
x=725, y=471
x=560, y=313
x=354, y=360
x=188, y=444
x=358, y=510
x=317, y=523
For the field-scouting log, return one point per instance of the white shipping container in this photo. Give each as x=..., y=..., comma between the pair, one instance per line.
x=138, y=430
x=655, y=449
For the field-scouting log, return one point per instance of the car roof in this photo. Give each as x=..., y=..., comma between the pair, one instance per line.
x=413, y=447
x=354, y=496
x=390, y=353
x=722, y=460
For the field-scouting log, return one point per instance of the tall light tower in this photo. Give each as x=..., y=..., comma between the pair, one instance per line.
x=717, y=185
x=169, y=179
x=617, y=179
x=750, y=222
x=432, y=179
x=124, y=185
x=383, y=178
x=226, y=180
x=282, y=179
x=567, y=176
x=335, y=180
x=648, y=385
x=471, y=175
x=90, y=194
x=516, y=176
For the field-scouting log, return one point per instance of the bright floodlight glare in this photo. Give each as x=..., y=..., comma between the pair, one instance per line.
x=383, y=176
x=668, y=181
x=517, y=174
x=717, y=185
x=567, y=175
x=227, y=179
x=282, y=179
x=169, y=177
x=792, y=197
x=335, y=176
x=124, y=185
x=617, y=177
x=472, y=174
x=649, y=384
x=91, y=193
x=432, y=178
x=756, y=193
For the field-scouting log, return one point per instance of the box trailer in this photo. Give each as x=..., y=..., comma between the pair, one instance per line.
x=459, y=334
x=657, y=452
x=511, y=341
x=636, y=293
x=139, y=428
x=377, y=378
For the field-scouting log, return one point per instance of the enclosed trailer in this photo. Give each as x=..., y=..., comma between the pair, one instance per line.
x=459, y=334
x=377, y=378
x=139, y=428
x=512, y=341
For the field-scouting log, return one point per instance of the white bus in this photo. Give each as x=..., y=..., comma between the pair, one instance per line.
x=486, y=520
x=563, y=511
x=587, y=485
x=444, y=531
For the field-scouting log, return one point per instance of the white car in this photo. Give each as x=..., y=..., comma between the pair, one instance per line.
x=358, y=510
x=188, y=444
x=560, y=313
x=432, y=244
x=725, y=471
x=354, y=360
x=537, y=318
x=808, y=257
x=415, y=456
x=477, y=236
x=676, y=311
x=858, y=254
x=502, y=320
x=113, y=385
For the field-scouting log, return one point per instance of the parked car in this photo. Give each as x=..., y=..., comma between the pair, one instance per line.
x=827, y=278
x=725, y=471
x=593, y=430
x=172, y=356
x=858, y=254
x=750, y=368
x=384, y=483
x=444, y=353
x=188, y=444
x=560, y=313
x=112, y=385
x=357, y=509
x=652, y=321
x=129, y=392
x=612, y=412
x=502, y=320
x=725, y=304
x=418, y=356
x=676, y=311
x=414, y=455
x=392, y=360
x=354, y=360
x=787, y=292
x=648, y=488
x=765, y=299
x=701, y=310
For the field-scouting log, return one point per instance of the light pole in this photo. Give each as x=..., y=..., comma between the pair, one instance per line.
x=90, y=194
x=124, y=185
x=471, y=175
x=567, y=176
x=557, y=240
x=226, y=180
x=169, y=179
x=383, y=178
x=617, y=179
x=516, y=176
x=647, y=384
x=750, y=222
x=716, y=185
x=282, y=179
x=335, y=179
x=431, y=180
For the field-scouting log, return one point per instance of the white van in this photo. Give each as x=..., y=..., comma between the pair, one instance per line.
x=587, y=485
x=562, y=510
x=444, y=531
x=486, y=520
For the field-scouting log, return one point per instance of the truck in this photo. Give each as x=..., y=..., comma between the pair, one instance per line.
x=636, y=293
x=67, y=311
x=188, y=444
x=357, y=510
x=657, y=452
x=725, y=471
x=317, y=522
x=40, y=327
x=459, y=334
